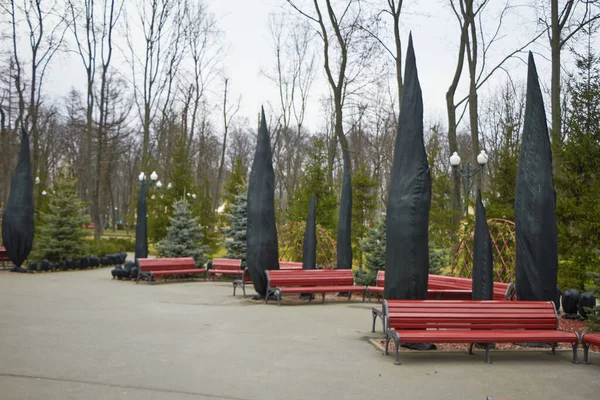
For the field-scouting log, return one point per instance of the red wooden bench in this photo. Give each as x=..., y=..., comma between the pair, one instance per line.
x=246, y=279
x=151, y=268
x=588, y=339
x=439, y=288
x=311, y=281
x=474, y=321
x=225, y=266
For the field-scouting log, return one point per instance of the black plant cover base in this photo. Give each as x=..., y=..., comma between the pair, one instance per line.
x=419, y=346
x=409, y=199
x=535, y=345
x=535, y=202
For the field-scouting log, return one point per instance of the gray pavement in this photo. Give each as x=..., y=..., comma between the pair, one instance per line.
x=81, y=335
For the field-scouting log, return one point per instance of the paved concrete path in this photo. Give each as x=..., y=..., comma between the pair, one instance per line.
x=81, y=335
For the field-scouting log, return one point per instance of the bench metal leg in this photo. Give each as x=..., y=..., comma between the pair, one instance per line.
x=349, y=296
x=487, y=354
x=278, y=294
x=323, y=302
x=553, y=348
x=374, y=319
x=471, y=349
x=575, y=359
x=396, y=338
x=586, y=349
x=234, y=287
x=244, y=288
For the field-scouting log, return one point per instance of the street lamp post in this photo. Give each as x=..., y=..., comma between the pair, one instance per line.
x=468, y=172
x=141, y=226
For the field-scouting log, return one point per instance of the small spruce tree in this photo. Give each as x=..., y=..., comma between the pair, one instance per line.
x=60, y=234
x=184, y=236
x=236, y=232
x=593, y=320
x=373, y=245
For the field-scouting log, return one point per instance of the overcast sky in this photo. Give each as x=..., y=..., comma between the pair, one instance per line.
x=435, y=34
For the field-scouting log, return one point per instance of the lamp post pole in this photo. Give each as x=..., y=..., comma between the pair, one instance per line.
x=468, y=172
x=141, y=226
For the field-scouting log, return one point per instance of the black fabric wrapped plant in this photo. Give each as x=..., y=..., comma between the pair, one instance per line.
x=483, y=258
x=141, y=225
x=94, y=261
x=117, y=272
x=261, y=233
x=127, y=267
x=344, y=232
x=45, y=265
x=122, y=257
x=409, y=199
x=33, y=266
x=535, y=202
x=17, y=217
x=309, y=251
x=586, y=300
x=570, y=301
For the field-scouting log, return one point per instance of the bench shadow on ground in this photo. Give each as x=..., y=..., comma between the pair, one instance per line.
x=460, y=357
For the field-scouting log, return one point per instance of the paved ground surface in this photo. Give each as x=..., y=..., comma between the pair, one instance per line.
x=80, y=335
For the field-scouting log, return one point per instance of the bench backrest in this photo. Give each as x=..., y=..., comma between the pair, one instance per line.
x=470, y=314
x=437, y=282
x=289, y=265
x=308, y=277
x=227, y=263
x=166, y=264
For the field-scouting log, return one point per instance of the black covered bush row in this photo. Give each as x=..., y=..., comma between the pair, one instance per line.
x=574, y=302
x=128, y=271
x=68, y=264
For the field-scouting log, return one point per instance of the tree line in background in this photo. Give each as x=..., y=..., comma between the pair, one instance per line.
x=155, y=97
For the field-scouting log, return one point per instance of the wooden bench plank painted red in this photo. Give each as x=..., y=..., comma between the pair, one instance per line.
x=225, y=266
x=473, y=321
x=153, y=267
x=311, y=281
x=588, y=339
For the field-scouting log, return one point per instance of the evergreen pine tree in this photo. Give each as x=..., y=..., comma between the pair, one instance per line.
x=373, y=245
x=363, y=208
x=593, y=321
x=184, y=236
x=61, y=234
x=578, y=181
x=315, y=179
x=235, y=184
x=236, y=232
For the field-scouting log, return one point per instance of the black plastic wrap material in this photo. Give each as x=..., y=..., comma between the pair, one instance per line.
x=141, y=225
x=344, y=241
x=17, y=217
x=535, y=203
x=261, y=233
x=586, y=300
x=570, y=302
x=407, y=218
x=309, y=250
x=483, y=257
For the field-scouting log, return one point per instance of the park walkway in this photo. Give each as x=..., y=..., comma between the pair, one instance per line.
x=80, y=335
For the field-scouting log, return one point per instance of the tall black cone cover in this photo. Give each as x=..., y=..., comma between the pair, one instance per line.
x=483, y=258
x=535, y=203
x=309, y=251
x=17, y=218
x=344, y=241
x=141, y=226
x=261, y=234
x=409, y=199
